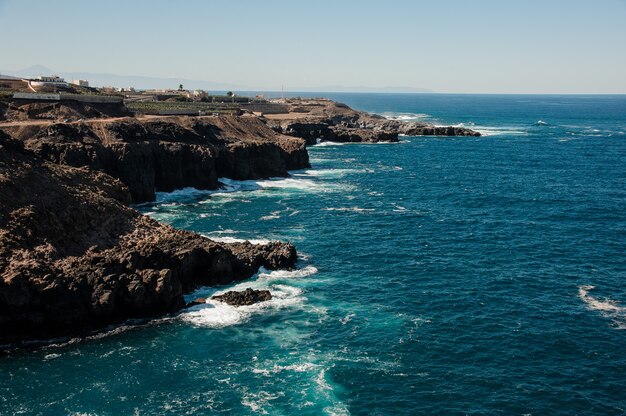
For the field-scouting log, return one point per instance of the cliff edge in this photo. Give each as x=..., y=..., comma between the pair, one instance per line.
x=75, y=258
x=324, y=120
x=166, y=153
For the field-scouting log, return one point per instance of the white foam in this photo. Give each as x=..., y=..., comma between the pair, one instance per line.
x=349, y=209
x=324, y=144
x=234, y=190
x=499, y=131
x=219, y=236
x=255, y=241
x=269, y=217
x=491, y=130
x=406, y=116
x=609, y=308
x=347, y=318
x=287, y=274
x=302, y=185
x=226, y=231
x=329, y=172
x=256, y=401
x=298, y=368
x=215, y=314
x=326, y=390
x=51, y=356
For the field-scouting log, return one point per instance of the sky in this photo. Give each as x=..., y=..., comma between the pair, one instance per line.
x=453, y=46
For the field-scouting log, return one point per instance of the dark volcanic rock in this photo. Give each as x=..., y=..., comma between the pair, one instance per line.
x=245, y=297
x=418, y=129
x=313, y=119
x=163, y=155
x=74, y=257
x=355, y=135
x=310, y=132
x=196, y=302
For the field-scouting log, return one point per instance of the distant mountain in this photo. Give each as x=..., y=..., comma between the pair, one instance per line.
x=34, y=71
x=136, y=81
x=145, y=82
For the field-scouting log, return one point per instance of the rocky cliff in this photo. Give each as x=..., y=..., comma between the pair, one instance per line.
x=163, y=154
x=321, y=119
x=74, y=257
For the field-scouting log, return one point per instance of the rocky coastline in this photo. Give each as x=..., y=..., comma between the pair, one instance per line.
x=316, y=120
x=168, y=153
x=75, y=257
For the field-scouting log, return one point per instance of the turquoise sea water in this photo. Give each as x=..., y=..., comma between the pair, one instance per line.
x=477, y=276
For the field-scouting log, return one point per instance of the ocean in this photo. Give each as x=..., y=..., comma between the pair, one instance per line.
x=438, y=275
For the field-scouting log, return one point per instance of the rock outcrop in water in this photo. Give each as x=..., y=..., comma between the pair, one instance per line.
x=321, y=119
x=74, y=257
x=244, y=298
x=165, y=154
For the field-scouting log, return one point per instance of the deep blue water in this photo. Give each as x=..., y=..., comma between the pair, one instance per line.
x=480, y=276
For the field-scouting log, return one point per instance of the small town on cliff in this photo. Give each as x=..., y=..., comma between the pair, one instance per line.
x=180, y=101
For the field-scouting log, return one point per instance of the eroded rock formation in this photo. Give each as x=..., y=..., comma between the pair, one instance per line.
x=74, y=257
x=163, y=154
x=244, y=297
x=321, y=119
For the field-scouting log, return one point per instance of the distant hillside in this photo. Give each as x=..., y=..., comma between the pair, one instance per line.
x=146, y=82
x=136, y=81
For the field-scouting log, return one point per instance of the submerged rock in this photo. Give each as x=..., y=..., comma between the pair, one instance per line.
x=245, y=297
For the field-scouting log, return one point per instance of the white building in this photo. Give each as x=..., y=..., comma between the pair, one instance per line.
x=51, y=80
x=81, y=82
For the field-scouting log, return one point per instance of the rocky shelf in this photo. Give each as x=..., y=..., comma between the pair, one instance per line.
x=326, y=120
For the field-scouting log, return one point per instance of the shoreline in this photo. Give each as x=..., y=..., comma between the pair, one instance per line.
x=77, y=256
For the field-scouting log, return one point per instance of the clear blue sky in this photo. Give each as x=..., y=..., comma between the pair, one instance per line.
x=484, y=46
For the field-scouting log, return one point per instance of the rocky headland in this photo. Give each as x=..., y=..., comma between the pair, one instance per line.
x=166, y=153
x=74, y=257
x=317, y=120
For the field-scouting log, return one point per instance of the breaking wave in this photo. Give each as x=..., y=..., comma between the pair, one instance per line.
x=493, y=131
x=215, y=314
x=325, y=143
x=407, y=116
x=609, y=308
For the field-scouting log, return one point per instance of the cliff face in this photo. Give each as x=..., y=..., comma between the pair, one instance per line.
x=65, y=110
x=313, y=119
x=74, y=257
x=170, y=153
